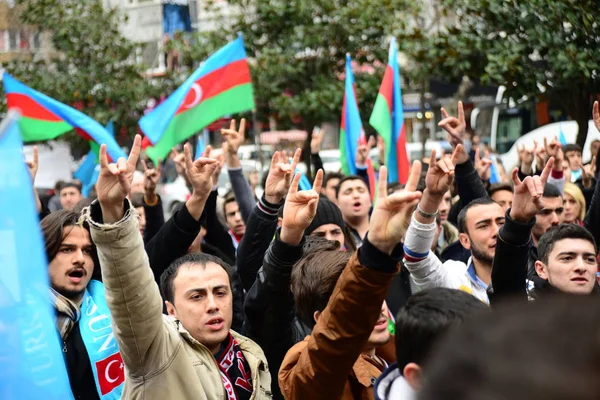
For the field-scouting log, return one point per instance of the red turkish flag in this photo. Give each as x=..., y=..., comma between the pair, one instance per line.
x=111, y=373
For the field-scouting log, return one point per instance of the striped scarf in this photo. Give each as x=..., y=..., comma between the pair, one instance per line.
x=67, y=313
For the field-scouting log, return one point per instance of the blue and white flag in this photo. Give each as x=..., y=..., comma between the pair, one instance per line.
x=31, y=359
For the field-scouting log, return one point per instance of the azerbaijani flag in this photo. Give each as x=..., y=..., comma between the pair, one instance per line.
x=43, y=118
x=221, y=86
x=351, y=125
x=388, y=119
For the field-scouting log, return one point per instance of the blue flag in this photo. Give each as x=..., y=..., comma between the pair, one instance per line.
x=494, y=172
x=32, y=364
x=199, y=147
x=88, y=171
x=561, y=135
x=304, y=183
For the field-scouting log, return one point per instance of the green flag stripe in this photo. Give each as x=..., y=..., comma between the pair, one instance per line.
x=33, y=130
x=343, y=153
x=381, y=120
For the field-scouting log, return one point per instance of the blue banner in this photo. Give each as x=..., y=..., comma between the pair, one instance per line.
x=31, y=359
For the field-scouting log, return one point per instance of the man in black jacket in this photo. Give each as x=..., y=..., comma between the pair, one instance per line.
x=567, y=253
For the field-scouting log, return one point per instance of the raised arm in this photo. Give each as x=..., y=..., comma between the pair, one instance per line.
x=241, y=188
x=262, y=223
x=176, y=236
x=509, y=271
x=155, y=217
x=362, y=155
x=554, y=151
x=426, y=269
x=270, y=305
x=315, y=146
x=131, y=293
x=339, y=336
x=468, y=182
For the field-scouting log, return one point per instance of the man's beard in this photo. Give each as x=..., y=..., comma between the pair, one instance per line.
x=73, y=295
x=480, y=254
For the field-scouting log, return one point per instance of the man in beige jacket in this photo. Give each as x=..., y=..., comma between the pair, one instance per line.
x=170, y=357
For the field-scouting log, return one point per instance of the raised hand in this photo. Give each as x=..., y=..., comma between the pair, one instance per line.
x=587, y=172
x=200, y=172
x=456, y=128
x=280, y=176
x=114, y=181
x=540, y=157
x=234, y=138
x=151, y=178
x=33, y=164
x=526, y=154
x=392, y=213
x=362, y=152
x=220, y=158
x=483, y=165
x=527, y=198
x=299, y=209
x=316, y=140
x=441, y=174
x=381, y=149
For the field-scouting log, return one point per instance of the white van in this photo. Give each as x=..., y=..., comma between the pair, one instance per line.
x=570, y=129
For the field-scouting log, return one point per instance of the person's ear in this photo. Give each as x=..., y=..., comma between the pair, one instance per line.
x=465, y=241
x=412, y=375
x=316, y=315
x=541, y=270
x=171, y=310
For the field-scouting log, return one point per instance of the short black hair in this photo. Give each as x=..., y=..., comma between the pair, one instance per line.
x=426, y=317
x=70, y=185
x=571, y=147
x=346, y=179
x=560, y=232
x=462, y=215
x=137, y=200
x=551, y=190
x=332, y=175
x=392, y=187
x=509, y=353
x=202, y=259
x=498, y=187
x=229, y=198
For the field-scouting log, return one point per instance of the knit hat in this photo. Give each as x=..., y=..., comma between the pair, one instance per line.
x=327, y=213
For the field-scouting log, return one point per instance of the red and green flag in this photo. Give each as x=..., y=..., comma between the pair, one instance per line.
x=351, y=130
x=220, y=87
x=388, y=119
x=43, y=118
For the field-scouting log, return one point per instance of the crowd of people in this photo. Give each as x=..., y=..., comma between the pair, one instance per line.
x=446, y=287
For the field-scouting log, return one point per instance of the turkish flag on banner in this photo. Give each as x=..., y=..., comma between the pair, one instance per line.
x=111, y=373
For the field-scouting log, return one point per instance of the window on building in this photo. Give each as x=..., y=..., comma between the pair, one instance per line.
x=23, y=41
x=36, y=40
x=3, y=40
x=13, y=40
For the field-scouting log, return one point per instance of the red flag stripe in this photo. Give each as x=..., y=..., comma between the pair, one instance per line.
x=403, y=160
x=387, y=87
x=220, y=80
x=29, y=108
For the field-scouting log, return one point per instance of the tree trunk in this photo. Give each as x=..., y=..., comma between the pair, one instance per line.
x=579, y=109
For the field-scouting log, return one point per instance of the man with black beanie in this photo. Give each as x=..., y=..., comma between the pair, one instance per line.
x=328, y=222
